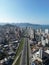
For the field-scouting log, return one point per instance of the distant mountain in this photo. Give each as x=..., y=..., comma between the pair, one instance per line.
x=35, y=26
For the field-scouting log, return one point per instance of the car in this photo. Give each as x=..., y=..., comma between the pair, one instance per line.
x=33, y=63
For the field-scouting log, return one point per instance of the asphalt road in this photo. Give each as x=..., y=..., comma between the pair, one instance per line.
x=30, y=55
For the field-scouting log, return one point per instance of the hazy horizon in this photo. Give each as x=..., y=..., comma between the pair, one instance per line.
x=24, y=11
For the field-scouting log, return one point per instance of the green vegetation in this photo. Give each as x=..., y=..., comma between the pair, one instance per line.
x=2, y=55
x=20, y=47
x=18, y=61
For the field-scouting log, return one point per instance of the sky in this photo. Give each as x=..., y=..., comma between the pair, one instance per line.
x=24, y=11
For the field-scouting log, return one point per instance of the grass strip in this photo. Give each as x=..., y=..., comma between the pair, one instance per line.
x=20, y=47
x=18, y=61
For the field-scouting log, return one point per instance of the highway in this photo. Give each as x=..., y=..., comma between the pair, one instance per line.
x=24, y=57
x=30, y=55
x=29, y=42
x=24, y=53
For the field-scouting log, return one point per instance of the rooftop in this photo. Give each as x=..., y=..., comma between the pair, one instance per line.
x=47, y=51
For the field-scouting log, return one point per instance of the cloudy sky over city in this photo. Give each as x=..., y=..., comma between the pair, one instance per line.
x=24, y=11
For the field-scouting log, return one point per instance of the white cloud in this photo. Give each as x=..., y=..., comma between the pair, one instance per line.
x=14, y=20
x=7, y=20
